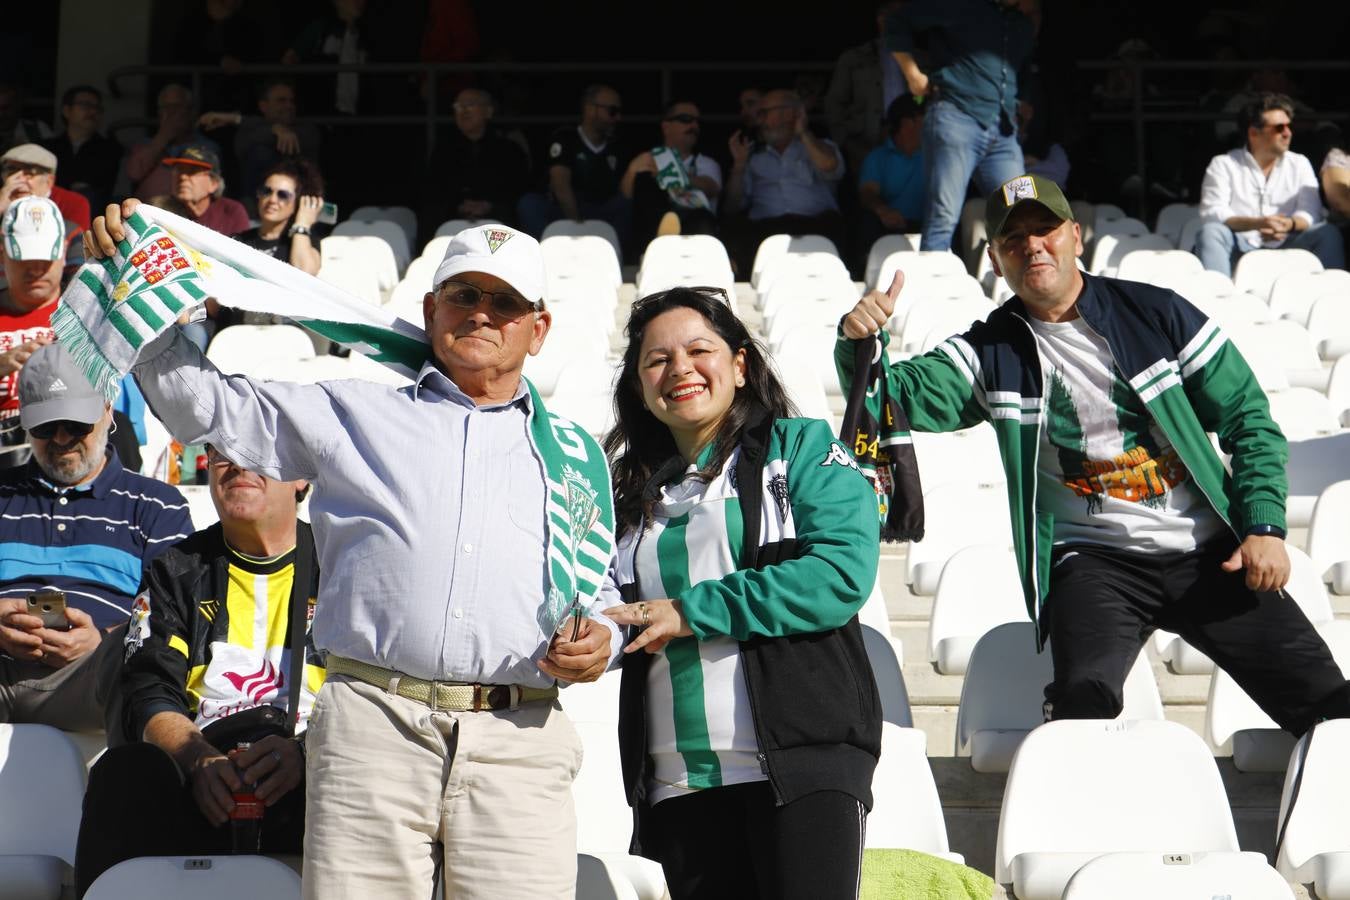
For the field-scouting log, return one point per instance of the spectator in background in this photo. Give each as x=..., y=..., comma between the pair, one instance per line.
x=29, y=169
x=34, y=239
x=673, y=188
x=1044, y=155
x=865, y=83
x=198, y=632
x=891, y=185
x=1263, y=195
x=199, y=191
x=785, y=182
x=289, y=200
x=747, y=108
x=264, y=140
x=177, y=111
x=971, y=123
x=1336, y=187
x=14, y=128
x=68, y=678
x=86, y=161
x=476, y=172
x=336, y=36
x=224, y=33
x=584, y=166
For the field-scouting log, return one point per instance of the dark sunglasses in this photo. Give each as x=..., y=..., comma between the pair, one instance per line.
x=613, y=109
x=284, y=196
x=503, y=305
x=683, y=118
x=47, y=430
x=10, y=168
x=715, y=293
x=1278, y=127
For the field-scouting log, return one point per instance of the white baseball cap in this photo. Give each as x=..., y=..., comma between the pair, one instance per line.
x=498, y=250
x=33, y=229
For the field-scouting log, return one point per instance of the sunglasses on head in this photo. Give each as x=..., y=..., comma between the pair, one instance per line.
x=714, y=293
x=47, y=430
x=683, y=118
x=502, y=304
x=283, y=195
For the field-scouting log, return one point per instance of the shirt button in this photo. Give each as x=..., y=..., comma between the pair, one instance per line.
x=468, y=548
x=63, y=501
x=61, y=526
x=459, y=614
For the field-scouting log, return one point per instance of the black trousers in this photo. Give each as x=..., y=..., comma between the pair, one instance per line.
x=1103, y=604
x=650, y=203
x=137, y=804
x=734, y=842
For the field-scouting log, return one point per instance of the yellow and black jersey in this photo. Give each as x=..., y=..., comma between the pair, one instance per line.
x=210, y=634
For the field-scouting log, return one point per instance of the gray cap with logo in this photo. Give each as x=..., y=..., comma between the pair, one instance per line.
x=53, y=389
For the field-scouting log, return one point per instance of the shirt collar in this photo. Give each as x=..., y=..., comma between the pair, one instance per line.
x=432, y=379
x=97, y=488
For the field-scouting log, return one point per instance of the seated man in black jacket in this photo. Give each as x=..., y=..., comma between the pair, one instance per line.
x=476, y=172
x=194, y=686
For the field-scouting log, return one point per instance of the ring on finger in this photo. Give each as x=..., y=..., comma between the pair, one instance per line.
x=646, y=617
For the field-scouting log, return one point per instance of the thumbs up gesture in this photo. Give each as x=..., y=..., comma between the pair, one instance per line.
x=873, y=311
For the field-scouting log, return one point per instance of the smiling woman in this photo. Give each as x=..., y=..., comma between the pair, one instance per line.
x=740, y=530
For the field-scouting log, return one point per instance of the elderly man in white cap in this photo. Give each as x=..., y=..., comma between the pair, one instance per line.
x=30, y=169
x=455, y=521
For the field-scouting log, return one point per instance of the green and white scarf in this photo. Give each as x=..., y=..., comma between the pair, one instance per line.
x=672, y=178
x=167, y=265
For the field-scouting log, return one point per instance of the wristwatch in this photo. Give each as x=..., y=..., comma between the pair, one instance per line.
x=1267, y=531
x=297, y=229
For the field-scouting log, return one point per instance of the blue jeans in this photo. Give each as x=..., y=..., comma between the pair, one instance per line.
x=955, y=147
x=537, y=210
x=1219, y=248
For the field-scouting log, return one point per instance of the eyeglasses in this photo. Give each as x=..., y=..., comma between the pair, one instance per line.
x=765, y=110
x=682, y=118
x=713, y=293
x=613, y=109
x=214, y=458
x=1279, y=127
x=47, y=430
x=501, y=304
x=10, y=168
x=283, y=195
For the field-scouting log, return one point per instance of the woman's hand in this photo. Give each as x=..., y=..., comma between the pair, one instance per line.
x=307, y=210
x=660, y=620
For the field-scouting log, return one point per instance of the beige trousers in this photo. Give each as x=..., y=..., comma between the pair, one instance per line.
x=391, y=786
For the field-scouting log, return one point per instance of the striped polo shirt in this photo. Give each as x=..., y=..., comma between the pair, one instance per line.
x=90, y=540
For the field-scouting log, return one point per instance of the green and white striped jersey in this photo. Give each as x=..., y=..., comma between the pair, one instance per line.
x=1106, y=471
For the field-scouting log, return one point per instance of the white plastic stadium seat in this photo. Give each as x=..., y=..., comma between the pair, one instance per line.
x=1233, y=719
x=885, y=655
x=945, y=315
x=389, y=232
x=883, y=247
x=1178, y=876
x=1314, y=465
x=979, y=590
x=597, y=227
x=952, y=456
x=452, y=227
x=1103, y=213
x=198, y=877
x=584, y=393
x=597, y=879
x=362, y=252
x=906, y=812
x=1003, y=695
x=917, y=264
x=809, y=346
x=1329, y=537
x=956, y=515
x=241, y=349
x=1234, y=309
x=1119, y=226
x=778, y=245
x=581, y=252
x=1303, y=413
x=1329, y=326
x=1165, y=268
x=41, y=799
x=402, y=216
x=1109, y=249
x=698, y=252
x=1190, y=230
x=1281, y=347
x=1172, y=218
x=789, y=267
x=1078, y=789
x=1316, y=847
x=1258, y=270
x=1294, y=293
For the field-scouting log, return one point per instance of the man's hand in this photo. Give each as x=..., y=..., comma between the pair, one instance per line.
x=891, y=218
x=643, y=162
x=918, y=83
x=584, y=659
x=664, y=620
x=288, y=142
x=104, y=232
x=799, y=123
x=210, y=121
x=275, y=764
x=1276, y=228
x=873, y=311
x=14, y=188
x=12, y=360
x=214, y=781
x=61, y=648
x=18, y=631
x=1264, y=558
x=739, y=145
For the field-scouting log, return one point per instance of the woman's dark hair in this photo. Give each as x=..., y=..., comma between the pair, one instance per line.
x=308, y=180
x=639, y=443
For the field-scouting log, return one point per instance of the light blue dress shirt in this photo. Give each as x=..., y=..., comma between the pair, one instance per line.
x=428, y=511
x=788, y=183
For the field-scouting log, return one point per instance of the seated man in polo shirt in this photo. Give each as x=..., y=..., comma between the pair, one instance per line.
x=75, y=520
x=785, y=183
x=199, y=192
x=891, y=184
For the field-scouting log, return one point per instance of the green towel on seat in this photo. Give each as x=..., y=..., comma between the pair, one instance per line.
x=911, y=875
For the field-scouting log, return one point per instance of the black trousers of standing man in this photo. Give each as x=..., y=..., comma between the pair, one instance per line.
x=1104, y=603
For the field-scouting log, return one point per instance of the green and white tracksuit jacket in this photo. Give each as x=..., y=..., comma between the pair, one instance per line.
x=775, y=682
x=1189, y=376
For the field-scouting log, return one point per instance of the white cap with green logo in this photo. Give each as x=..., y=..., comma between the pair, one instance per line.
x=33, y=229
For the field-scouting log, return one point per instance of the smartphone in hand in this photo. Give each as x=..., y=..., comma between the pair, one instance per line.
x=49, y=605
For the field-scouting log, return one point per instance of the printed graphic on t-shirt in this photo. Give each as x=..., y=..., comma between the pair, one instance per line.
x=1143, y=473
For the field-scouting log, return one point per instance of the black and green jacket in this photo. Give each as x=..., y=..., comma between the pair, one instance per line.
x=1190, y=377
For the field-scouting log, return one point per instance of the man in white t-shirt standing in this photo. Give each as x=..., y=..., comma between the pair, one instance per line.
x=1103, y=394
x=1263, y=195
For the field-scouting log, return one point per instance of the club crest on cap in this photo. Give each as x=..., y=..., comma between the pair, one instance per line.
x=1020, y=188
x=496, y=237
x=36, y=214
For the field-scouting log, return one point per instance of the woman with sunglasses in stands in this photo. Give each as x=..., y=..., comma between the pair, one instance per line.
x=289, y=200
x=749, y=721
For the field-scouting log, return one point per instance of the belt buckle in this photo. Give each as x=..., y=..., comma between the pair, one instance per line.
x=432, y=692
